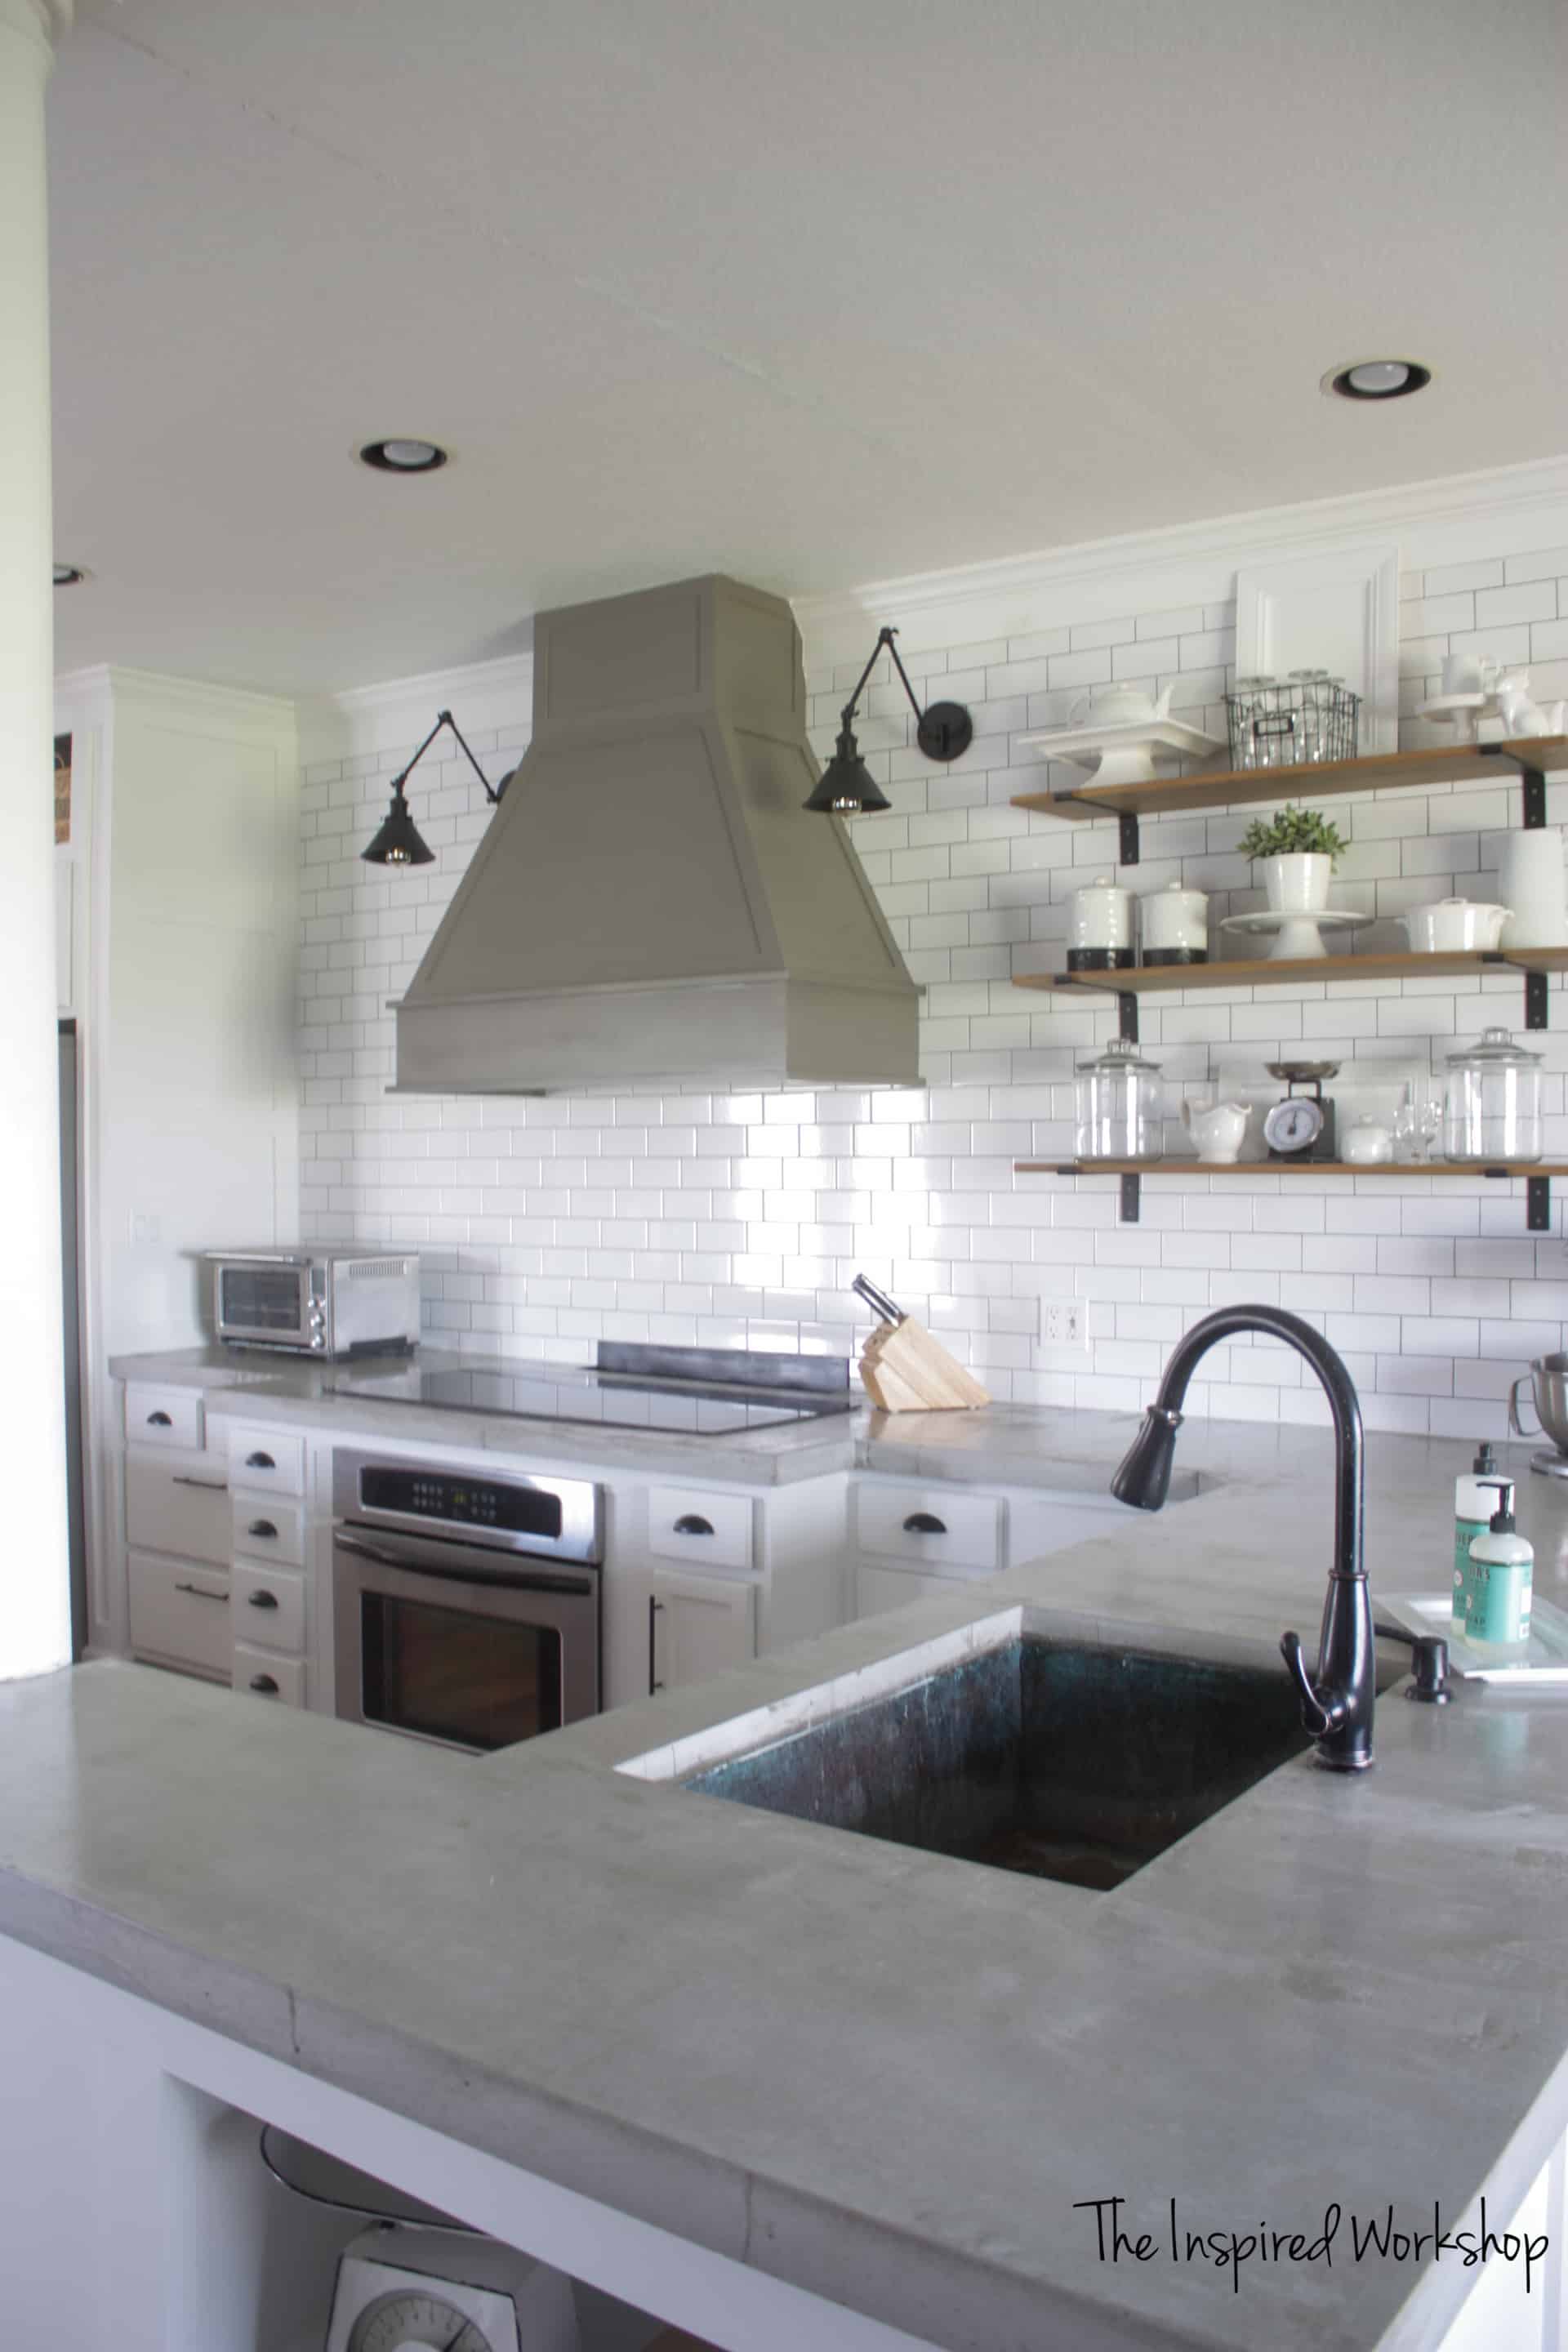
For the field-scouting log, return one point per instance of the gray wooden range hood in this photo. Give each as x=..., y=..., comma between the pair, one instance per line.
x=651, y=905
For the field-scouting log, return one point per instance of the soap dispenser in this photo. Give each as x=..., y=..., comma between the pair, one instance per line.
x=1502, y=1570
x=1472, y=1517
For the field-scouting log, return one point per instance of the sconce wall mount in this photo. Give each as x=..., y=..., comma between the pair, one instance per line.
x=846, y=787
x=399, y=841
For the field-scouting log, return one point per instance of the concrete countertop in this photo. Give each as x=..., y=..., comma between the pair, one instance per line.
x=884, y=2075
x=1001, y=1445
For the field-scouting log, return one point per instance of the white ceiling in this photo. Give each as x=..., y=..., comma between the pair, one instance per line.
x=813, y=291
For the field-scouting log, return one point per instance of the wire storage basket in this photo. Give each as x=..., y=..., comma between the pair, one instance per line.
x=1308, y=717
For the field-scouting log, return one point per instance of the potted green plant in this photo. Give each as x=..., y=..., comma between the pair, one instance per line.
x=1297, y=850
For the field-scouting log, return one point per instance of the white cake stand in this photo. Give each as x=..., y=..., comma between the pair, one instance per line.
x=1294, y=935
x=1462, y=712
x=1125, y=754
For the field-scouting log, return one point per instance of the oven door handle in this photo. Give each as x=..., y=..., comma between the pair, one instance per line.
x=420, y=1564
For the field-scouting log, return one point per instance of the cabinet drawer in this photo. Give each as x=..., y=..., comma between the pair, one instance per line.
x=265, y=1527
x=266, y=1459
x=268, y=1606
x=162, y=1416
x=179, y=1611
x=705, y=1530
x=264, y=1674
x=179, y=1503
x=930, y=1527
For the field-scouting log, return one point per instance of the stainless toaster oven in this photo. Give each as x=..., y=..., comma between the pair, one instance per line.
x=320, y=1302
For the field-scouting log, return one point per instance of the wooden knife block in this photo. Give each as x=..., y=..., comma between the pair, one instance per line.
x=906, y=1370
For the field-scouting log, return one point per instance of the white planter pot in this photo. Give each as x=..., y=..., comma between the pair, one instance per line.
x=1298, y=883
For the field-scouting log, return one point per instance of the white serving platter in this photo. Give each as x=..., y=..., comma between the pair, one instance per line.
x=1543, y=1661
x=1087, y=746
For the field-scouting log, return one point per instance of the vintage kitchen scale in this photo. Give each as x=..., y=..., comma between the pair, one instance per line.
x=1302, y=1125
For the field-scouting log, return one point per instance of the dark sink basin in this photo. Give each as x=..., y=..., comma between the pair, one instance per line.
x=1065, y=1760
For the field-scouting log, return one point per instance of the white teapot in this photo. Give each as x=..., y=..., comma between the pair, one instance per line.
x=1218, y=1133
x=1121, y=705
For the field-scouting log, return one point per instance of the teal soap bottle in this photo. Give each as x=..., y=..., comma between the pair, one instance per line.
x=1502, y=1575
x=1472, y=1517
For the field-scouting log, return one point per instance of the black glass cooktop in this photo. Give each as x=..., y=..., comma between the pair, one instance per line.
x=710, y=1393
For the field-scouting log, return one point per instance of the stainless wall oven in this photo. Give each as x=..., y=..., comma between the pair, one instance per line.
x=466, y=1609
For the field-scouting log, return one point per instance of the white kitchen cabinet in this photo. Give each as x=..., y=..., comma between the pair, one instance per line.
x=699, y=1626
x=930, y=1526
x=177, y=1502
x=699, y=1526
x=264, y=1674
x=179, y=1614
x=878, y=1588
x=265, y=1461
x=158, y=1415
x=267, y=1527
x=268, y=1607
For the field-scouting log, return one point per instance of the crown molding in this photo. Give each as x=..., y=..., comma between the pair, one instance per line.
x=187, y=699
x=364, y=719
x=1192, y=561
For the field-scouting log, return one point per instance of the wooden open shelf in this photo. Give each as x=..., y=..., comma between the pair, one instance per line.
x=1273, y=972
x=1382, y=771
x=1194, y=1166
x=1537, y=1175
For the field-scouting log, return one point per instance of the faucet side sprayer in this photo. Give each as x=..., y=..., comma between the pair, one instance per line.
x=1337, y=1702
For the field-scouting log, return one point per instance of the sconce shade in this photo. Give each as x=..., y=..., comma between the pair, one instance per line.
x=847, y=786
x=398, y=843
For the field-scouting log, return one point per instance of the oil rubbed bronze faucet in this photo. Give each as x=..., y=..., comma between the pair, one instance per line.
x=1337, y=1703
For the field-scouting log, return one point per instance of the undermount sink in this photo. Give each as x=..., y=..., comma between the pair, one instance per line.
x=1063, y=1758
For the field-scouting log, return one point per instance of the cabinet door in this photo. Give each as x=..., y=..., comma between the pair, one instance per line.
x=698, y=1625
x=879, y=1588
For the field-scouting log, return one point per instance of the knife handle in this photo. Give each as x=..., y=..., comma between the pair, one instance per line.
x=877, y=1299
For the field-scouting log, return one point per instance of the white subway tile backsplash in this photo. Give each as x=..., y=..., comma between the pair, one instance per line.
x=738, y=1219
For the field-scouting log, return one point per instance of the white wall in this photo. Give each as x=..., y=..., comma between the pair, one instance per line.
x=198, y=1136
x=738, y=1220
x=185, y=813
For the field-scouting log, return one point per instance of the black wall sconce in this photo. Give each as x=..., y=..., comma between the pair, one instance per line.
x=847, y=787
x=399, y=841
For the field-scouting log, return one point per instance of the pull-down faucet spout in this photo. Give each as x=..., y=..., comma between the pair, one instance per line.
x=1336, y=1703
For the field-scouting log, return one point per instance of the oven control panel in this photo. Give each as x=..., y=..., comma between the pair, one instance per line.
x=564, y=1516
x=416, y=1494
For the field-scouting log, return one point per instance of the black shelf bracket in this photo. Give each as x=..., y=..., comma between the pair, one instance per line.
x=1127, y=849
x=1533, y=781
x=1535, y=1001
x=1131, y=1198
x=1538, y=1203
x=1127, y=1015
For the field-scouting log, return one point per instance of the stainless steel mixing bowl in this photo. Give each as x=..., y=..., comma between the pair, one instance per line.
x=1549, y=1378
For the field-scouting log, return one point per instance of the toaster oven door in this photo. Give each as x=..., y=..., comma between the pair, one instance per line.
x=264, y=1300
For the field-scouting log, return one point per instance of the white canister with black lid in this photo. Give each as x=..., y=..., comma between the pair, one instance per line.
x=1174, y=925
x=1101, y=936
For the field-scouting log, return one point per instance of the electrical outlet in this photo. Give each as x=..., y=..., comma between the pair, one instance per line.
x=1064, y=1323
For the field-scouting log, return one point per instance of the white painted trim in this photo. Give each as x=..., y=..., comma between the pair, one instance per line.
x=1369, y=579
x=1434, y=521
x=272, y=716
x=481, y=696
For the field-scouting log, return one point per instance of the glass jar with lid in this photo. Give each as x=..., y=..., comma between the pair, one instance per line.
x=1121, y=1104
x=1491, y=1102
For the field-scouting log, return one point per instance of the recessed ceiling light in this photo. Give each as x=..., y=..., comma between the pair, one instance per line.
x=1378, y=379
x=68, y=576
x=403, y=456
